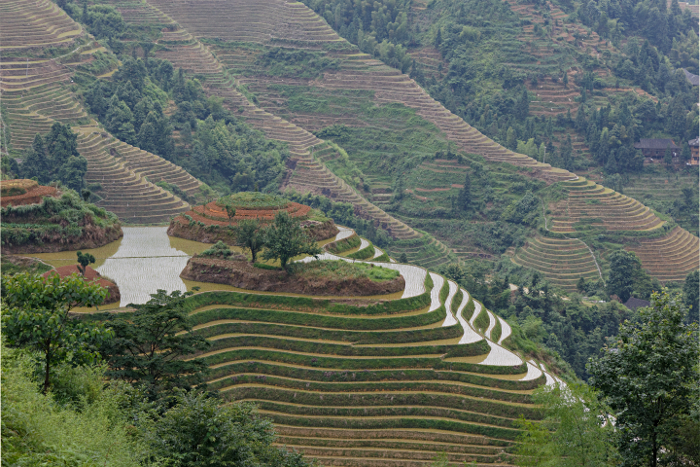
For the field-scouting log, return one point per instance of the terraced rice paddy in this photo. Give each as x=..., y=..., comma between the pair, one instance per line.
x=390, y=384
x=563, y=261
x=387, y=382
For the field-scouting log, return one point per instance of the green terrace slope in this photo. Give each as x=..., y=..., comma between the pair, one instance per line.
x=392, y=382
x=37, y=93
x=306, y=173
x=309, y=79
x=590, y=210
x=239, y=26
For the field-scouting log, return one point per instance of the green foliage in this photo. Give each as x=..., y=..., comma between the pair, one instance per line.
x=691, y=295
x=295, y=63
x=35, y=316
x=218, y=250
x=577, y=430
x=64, y=217
x=365, y=253
x=56, y=158
x=626, y=276
x=89, y=428
x=198, y=431
x=342, y=270
x=481, y=323
x=655, y=356
x=11, y=267
x=214, y=145
x=285, y=239
x=150, y=345
x=253, y=200
x=250, y=235
x=526, y=211
x=303, y=303
x=345, y=244
x=84, y=260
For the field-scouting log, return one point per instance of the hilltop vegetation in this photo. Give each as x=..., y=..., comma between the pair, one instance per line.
x=198, y=133
x=57, y=224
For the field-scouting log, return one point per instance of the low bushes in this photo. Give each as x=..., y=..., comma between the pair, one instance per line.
x=469, y=309
x=306, y=304
x=400, y=423
x=348, y=326
x=496, y=331
x=469, y=350
x=493, y=398
x=323, y=349
x=311, y=374
x=364, y=253
x=345, y=244
x=481, y=323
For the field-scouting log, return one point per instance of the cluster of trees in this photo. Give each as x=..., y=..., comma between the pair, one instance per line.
x=641, y=407
x=661, y=25
x=211, y=143
x=55, y=158
x=343, y=214
x=280, y=241
x=115, y=390
x=492, y=97
x=103, y=21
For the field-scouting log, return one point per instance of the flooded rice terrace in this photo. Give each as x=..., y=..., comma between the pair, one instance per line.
x=140, y=263
x=146, y=259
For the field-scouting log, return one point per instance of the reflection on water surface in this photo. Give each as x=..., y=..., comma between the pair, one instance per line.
x=146, y=260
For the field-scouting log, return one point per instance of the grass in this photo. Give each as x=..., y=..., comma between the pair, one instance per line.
x=253, y=200
x=32, y=267
x=343, y=270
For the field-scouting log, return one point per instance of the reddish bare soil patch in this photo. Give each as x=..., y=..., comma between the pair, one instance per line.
x=92, y=276
x=27, y=192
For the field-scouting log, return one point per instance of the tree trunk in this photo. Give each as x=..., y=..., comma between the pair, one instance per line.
x=654, y=450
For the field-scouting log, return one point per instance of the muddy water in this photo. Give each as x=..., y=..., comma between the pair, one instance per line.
x=140, y=263
x=146, y=260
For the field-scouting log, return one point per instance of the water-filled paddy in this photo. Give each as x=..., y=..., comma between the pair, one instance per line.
x=146, y=260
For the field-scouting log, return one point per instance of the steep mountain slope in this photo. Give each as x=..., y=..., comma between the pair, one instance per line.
x=390, y=383
x=388, y=125
x=36, y=92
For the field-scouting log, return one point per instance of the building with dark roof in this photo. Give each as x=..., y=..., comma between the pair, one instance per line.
x=634, y=303
x=656, y=148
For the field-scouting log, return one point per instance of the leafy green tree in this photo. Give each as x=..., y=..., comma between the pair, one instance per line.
x=72, y=173
x=61, y=144
x=624, y=266
x=691, y=295
x=250, y=235
x=83, y=260
x=36, y=164
x=200, y=432
x=285, y=239
x=35, y=315
x=668, y=158
x=230, y=212
x=511, y=140
x=649, y=377
x=575, y=430
x=150, y=345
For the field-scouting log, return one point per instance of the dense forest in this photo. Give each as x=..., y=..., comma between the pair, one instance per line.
x=485, y=78
x=150, y=105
